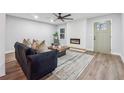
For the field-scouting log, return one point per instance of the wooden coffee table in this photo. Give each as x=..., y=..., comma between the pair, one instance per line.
x=61, y=51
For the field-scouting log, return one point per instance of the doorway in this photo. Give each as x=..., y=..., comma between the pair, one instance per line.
x=102, y=37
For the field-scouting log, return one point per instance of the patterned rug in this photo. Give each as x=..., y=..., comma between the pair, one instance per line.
x=71, y=65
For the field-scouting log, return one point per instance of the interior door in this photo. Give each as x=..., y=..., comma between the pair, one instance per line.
x=102, y=37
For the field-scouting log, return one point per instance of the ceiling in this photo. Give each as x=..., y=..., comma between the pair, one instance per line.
x=49, y=17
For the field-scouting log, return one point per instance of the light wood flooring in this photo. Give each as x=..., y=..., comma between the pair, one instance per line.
x=102, y=67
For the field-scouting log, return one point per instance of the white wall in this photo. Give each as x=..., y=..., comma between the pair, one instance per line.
x=62, y=41
x=17, y=29
x=2, y=44
x=122, y=46
x=115, y=34
x=83, y=29
x=77, y=29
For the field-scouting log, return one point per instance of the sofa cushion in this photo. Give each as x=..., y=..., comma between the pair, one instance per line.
x=30, y=51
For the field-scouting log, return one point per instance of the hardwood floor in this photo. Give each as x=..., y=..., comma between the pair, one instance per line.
x=102, y=67
x=10, y=57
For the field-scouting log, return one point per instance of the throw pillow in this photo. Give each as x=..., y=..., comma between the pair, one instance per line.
x=34, y=45
x=27, y=42
x=42, y=46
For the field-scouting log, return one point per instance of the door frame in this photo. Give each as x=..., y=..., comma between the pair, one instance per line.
x=102, y=20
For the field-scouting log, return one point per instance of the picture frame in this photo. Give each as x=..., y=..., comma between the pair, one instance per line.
x=62, y=33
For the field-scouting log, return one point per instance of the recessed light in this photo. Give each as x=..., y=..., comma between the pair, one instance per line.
x=36, y=17
x=51, y=20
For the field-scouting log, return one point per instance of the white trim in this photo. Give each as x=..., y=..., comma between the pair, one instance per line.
x=122, y=58
x=114, y=53
x=10, y=51
x=3, y=74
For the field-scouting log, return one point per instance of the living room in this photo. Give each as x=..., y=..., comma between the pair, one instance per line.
x=61, y=46
x=76, y=35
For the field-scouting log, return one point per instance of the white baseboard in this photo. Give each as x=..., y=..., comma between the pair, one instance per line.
x=122, y=57
x=3, y=74
x=115, y=53
x=2, y=69
x=10, y=51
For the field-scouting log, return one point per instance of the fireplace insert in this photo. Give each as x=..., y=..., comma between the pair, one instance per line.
x=75, y=41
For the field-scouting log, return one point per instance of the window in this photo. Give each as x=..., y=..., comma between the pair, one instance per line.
x=102, y=26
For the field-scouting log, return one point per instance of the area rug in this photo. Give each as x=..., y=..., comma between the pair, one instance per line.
x=72, y=65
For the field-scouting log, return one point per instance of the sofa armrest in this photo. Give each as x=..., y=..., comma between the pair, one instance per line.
x=43, y=61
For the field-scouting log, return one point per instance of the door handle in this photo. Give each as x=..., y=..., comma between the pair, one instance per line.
x=94, y=38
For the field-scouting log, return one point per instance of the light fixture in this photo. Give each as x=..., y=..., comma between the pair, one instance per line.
x=36, y=17
x=51, y=20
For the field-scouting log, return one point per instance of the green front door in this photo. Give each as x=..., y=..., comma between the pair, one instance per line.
x=102, y=37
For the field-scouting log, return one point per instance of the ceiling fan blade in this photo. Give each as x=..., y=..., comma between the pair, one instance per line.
x=67, y=15
x=55, y=19
x=68, y=18
x=55, y=14
x=62, y=20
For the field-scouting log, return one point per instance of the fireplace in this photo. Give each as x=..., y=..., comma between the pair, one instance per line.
x=75, y=41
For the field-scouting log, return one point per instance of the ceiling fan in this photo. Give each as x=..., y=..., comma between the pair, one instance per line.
x=62, y=18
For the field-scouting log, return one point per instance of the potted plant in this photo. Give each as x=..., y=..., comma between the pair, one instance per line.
x=55, y=35
x=56, y=38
